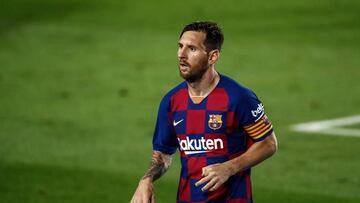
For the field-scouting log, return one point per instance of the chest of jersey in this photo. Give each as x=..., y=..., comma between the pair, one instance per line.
x=204, y=128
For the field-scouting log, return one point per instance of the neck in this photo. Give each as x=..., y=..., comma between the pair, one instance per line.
x=205, y=85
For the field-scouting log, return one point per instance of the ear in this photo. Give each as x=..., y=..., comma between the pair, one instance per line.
x=213, y=56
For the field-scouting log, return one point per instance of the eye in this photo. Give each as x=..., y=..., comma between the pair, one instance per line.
x=192, y=48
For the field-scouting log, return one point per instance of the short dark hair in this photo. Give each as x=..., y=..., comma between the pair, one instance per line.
x=214, y=36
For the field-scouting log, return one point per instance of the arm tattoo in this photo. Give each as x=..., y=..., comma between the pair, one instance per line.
x=159, y=164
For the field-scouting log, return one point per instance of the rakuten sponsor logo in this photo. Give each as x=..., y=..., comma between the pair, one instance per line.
x=201, y=145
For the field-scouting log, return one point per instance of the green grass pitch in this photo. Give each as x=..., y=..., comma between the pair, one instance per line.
x=81, y=81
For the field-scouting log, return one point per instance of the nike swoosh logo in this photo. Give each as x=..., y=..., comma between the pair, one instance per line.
x=177, y=123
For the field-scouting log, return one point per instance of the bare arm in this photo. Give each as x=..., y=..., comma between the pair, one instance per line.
x=215, y=175
x=159, y=164
x=257, y=153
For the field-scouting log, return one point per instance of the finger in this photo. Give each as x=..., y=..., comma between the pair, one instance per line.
x=204, y=171
x=145, y=198
x=134, y=199
x=210, y=184
x=215, y=187
x=153, y=198
x=202, y=181
x=207, y=169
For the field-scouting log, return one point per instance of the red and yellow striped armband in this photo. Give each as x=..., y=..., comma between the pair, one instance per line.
x=259, y=129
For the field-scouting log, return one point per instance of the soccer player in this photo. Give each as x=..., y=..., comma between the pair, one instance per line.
x=219, y=126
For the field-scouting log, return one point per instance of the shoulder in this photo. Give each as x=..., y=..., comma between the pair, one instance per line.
x=236, y=91
x=175, y=91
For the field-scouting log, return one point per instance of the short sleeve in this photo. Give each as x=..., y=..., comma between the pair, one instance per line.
x=252, y=117
x=164, y=139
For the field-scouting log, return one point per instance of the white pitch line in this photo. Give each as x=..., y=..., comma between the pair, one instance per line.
x=342, y=132
x=332, y=126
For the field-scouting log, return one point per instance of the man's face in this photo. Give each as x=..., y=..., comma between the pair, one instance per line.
x=192, y=55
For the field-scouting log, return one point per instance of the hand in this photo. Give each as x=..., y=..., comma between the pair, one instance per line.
x=144, y=192
x=215, y=175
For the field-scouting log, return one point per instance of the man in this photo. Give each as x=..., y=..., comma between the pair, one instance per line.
x=219, y=126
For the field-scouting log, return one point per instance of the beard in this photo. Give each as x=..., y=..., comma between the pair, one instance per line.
x=195, y=73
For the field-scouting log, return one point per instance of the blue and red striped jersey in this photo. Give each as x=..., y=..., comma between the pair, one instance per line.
x=219, y=128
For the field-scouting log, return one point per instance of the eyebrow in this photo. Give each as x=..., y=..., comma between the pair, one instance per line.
x=188, y=45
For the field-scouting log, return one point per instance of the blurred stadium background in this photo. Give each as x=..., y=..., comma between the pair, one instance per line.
x=81, y=81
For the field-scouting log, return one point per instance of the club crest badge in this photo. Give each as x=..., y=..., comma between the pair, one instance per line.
x=215, y=121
